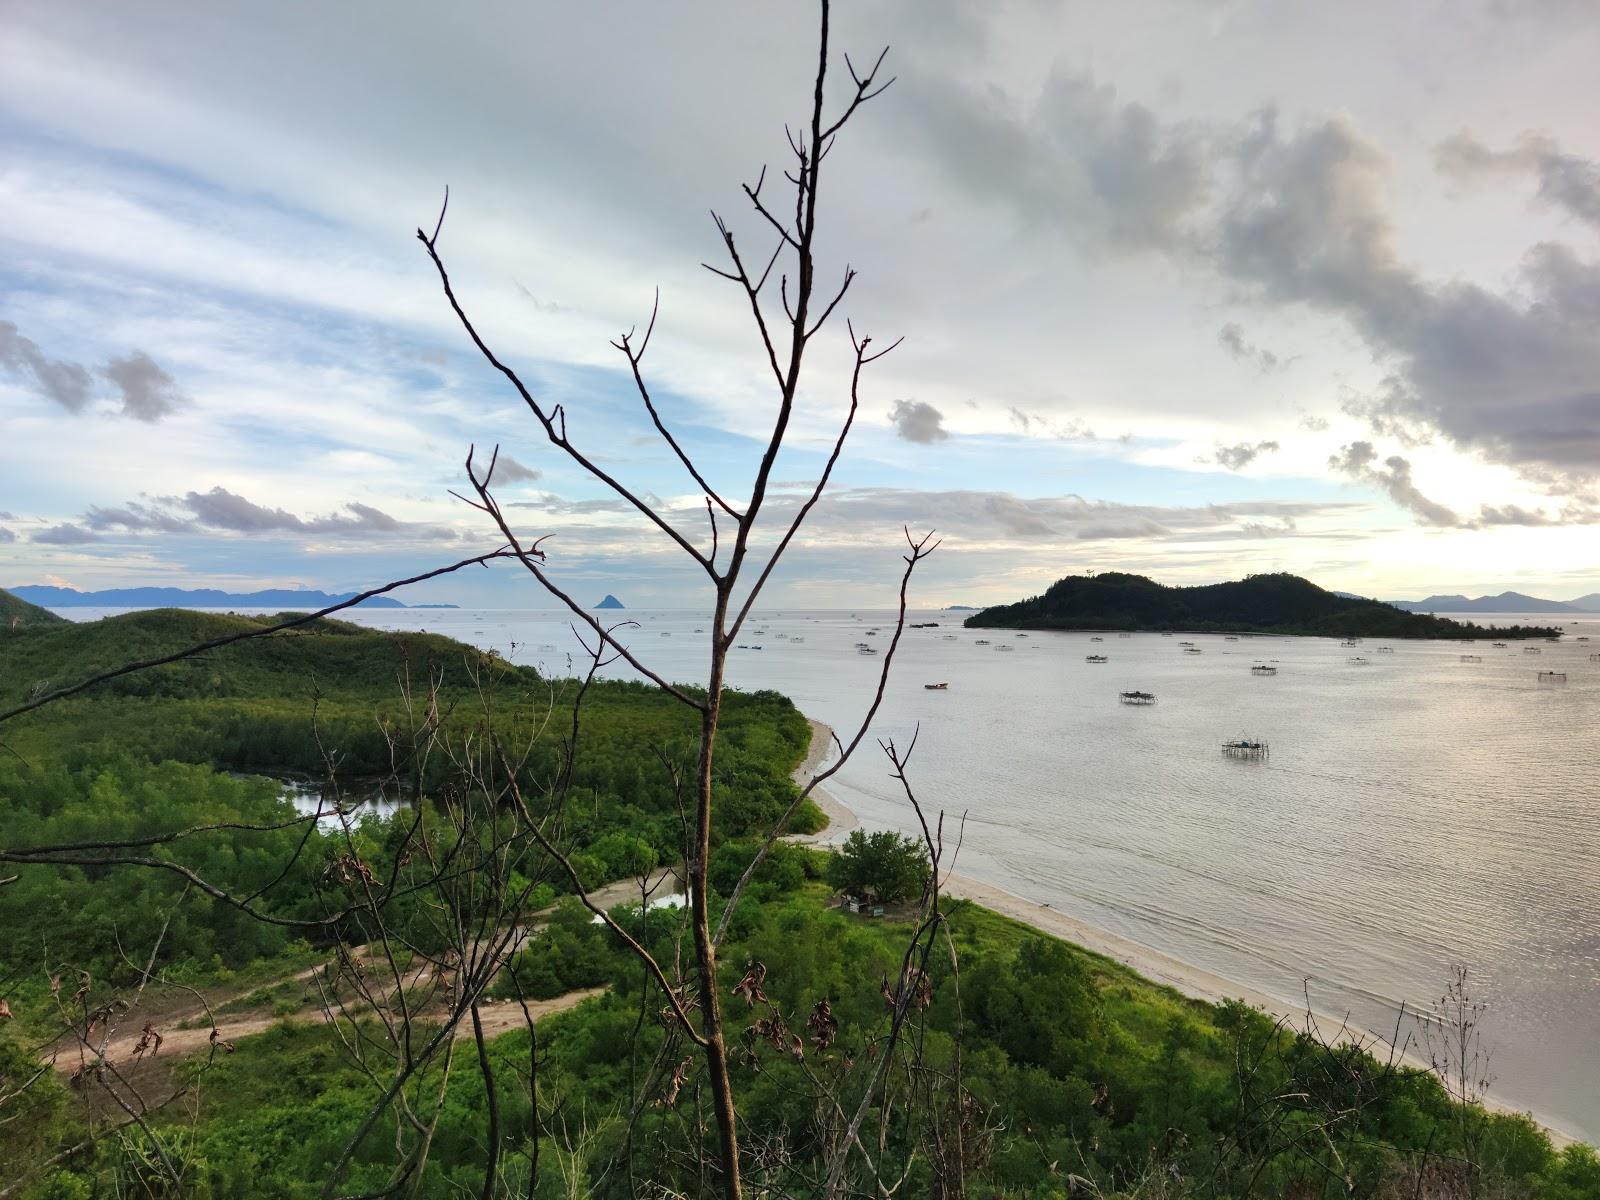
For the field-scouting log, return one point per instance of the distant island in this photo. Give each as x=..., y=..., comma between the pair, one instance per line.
x=610, y=602
x=274, y=599
x=1505, y=602
x=1279, y=603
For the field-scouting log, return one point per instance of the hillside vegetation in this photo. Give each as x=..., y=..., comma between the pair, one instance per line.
x=1057, y=1072
x=1279, y=603
x=26, y=616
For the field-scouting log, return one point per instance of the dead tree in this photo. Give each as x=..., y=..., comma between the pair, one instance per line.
x=736, y=573
x=379, y=972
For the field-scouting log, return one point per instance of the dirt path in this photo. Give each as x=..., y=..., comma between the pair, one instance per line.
x=498, y=1016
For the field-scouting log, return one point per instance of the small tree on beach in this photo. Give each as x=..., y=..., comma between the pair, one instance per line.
x=893, y=868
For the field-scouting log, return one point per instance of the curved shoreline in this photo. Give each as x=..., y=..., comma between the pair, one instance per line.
x=1154, y=966
x=841, y=820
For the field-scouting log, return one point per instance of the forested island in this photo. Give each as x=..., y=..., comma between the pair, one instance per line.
x=1276, y=603
x=201, y=981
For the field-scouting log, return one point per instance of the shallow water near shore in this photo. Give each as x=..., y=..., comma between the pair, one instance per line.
x=1415, y=810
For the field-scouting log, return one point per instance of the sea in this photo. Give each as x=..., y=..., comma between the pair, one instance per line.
x=1421, y=804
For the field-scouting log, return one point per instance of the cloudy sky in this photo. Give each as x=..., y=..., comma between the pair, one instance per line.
x=1190, y=288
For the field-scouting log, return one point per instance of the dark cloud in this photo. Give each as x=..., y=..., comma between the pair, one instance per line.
x=1237, y=457
x=65, y=534
x=1387, y=413
x=509, y=470
x=1360, y=461
x=1511, y=514
x=1300, y=216
x=1565, y=181
x=67, y=383
x=1305, y=223
x=220, y=510
x=1517, y=379
x=135, y=517
x=1231, y=338
x=148, y=392
x=916, y=421
x=1107, y=175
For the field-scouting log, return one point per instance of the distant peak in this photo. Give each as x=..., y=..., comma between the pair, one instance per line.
x=610, y=602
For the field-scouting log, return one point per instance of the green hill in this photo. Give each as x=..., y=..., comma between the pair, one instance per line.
x=288, y=701
x=246, y=704
x=1280, y=603
x=334, y=657
x=26, y=616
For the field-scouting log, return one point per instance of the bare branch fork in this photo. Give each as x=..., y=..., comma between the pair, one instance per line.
x=478, y=856
x=726, y=561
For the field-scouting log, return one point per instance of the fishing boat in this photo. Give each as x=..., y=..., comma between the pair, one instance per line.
x=1095, y=658
x=865, y=650
x=1355, y=660
x=1472, y=658
x=936, y=687
x=981, y=642
x=1245, y=748
x=1532, y=650
x=1230, y=638
x=1552, y=676
x=1385, y=649
x=1097, y=639
x=1007, y=649
x=1498, y=645
x=1192, y=649
x=1263, y=669
x=1137, y=697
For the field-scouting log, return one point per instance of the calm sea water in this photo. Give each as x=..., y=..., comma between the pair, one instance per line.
x=1415, y=811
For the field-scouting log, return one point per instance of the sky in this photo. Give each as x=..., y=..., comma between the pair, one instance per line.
x=1191, y=288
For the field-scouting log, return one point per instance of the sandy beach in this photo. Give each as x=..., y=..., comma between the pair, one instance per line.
x=1188, y=980
x=840, y=819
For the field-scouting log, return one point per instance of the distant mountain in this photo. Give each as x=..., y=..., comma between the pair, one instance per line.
x=961, y=608
x=14, y=609
x=1284, y=604
x=1589, y=603
x=609, y=602
x=1505, y=602
x=276, y=599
